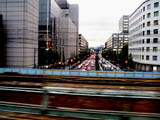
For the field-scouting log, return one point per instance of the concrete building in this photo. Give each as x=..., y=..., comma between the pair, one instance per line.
x=144, y=36
x=20, y=21
x=74, y=15
x=124, y=24
x=82, y=44
x=116, y=42
x=62, y=32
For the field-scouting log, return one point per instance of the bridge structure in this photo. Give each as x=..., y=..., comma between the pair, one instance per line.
x=78, y=95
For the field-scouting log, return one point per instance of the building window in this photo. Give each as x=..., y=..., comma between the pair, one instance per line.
x=143, y=49
x=156, y=13
x=143, y=41
x=143, y=17
x=155, y=31
x=142, y=57
x=148, y=40
x=143, y=33
x=155, y=58
x=143, y=25
x=143, y=9
x=148, y=49
x=156, y=22
x=149, y=7
x=148, y=23
x=155, y=49
x=148, y=15
x=155, y=40
x=156, y=4
x=148, y=32
x=147, y=57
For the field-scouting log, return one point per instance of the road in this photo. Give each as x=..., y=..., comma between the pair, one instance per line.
x=105, y=65
x=88, y=64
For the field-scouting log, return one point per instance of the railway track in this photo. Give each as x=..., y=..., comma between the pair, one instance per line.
x=40, y=80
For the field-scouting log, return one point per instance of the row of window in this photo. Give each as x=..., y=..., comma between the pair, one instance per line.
x=148, y=32
x=155, y=22
x=156, y=4
x=143, y=41
x=143, y=33
x=148, y=24
x=148, y=40
x=148, y=49
x=156, y=13
x=154, y=58
x=143, y=49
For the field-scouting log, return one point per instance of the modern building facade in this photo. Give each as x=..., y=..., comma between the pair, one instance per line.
x=124, y=24
x=116, y=41
x=49, y=30
x=82, y=44
x=144, y=36
x=20, y=23
x=58, y=31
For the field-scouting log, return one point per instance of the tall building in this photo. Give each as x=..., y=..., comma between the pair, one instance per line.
x=20, y=21
x=74, y=15
x=49, y=30
x=124, y=24
x=144, y=37
x=117, y=40
x=58, y=31
x=82, y=44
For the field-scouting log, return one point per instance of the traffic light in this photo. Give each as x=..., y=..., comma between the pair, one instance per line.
x=72, y=60
x=126, y=61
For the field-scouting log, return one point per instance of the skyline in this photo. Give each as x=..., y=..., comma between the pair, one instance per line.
x=97, y=25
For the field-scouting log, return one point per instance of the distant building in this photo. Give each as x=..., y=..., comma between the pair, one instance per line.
x=82, y=44
x=144, y=36
x=20, y=21
x=116, y=42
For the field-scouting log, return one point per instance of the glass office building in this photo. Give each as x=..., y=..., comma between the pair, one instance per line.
x=20, y=21
x=58, y=31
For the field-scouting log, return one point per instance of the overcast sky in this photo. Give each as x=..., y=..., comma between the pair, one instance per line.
x=99, y=18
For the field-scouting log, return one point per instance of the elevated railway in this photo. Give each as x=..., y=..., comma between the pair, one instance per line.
x=82, y=103
x=79, y=97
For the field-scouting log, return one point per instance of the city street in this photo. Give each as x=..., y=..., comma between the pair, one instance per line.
x=87, y=65
x=105, y=65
